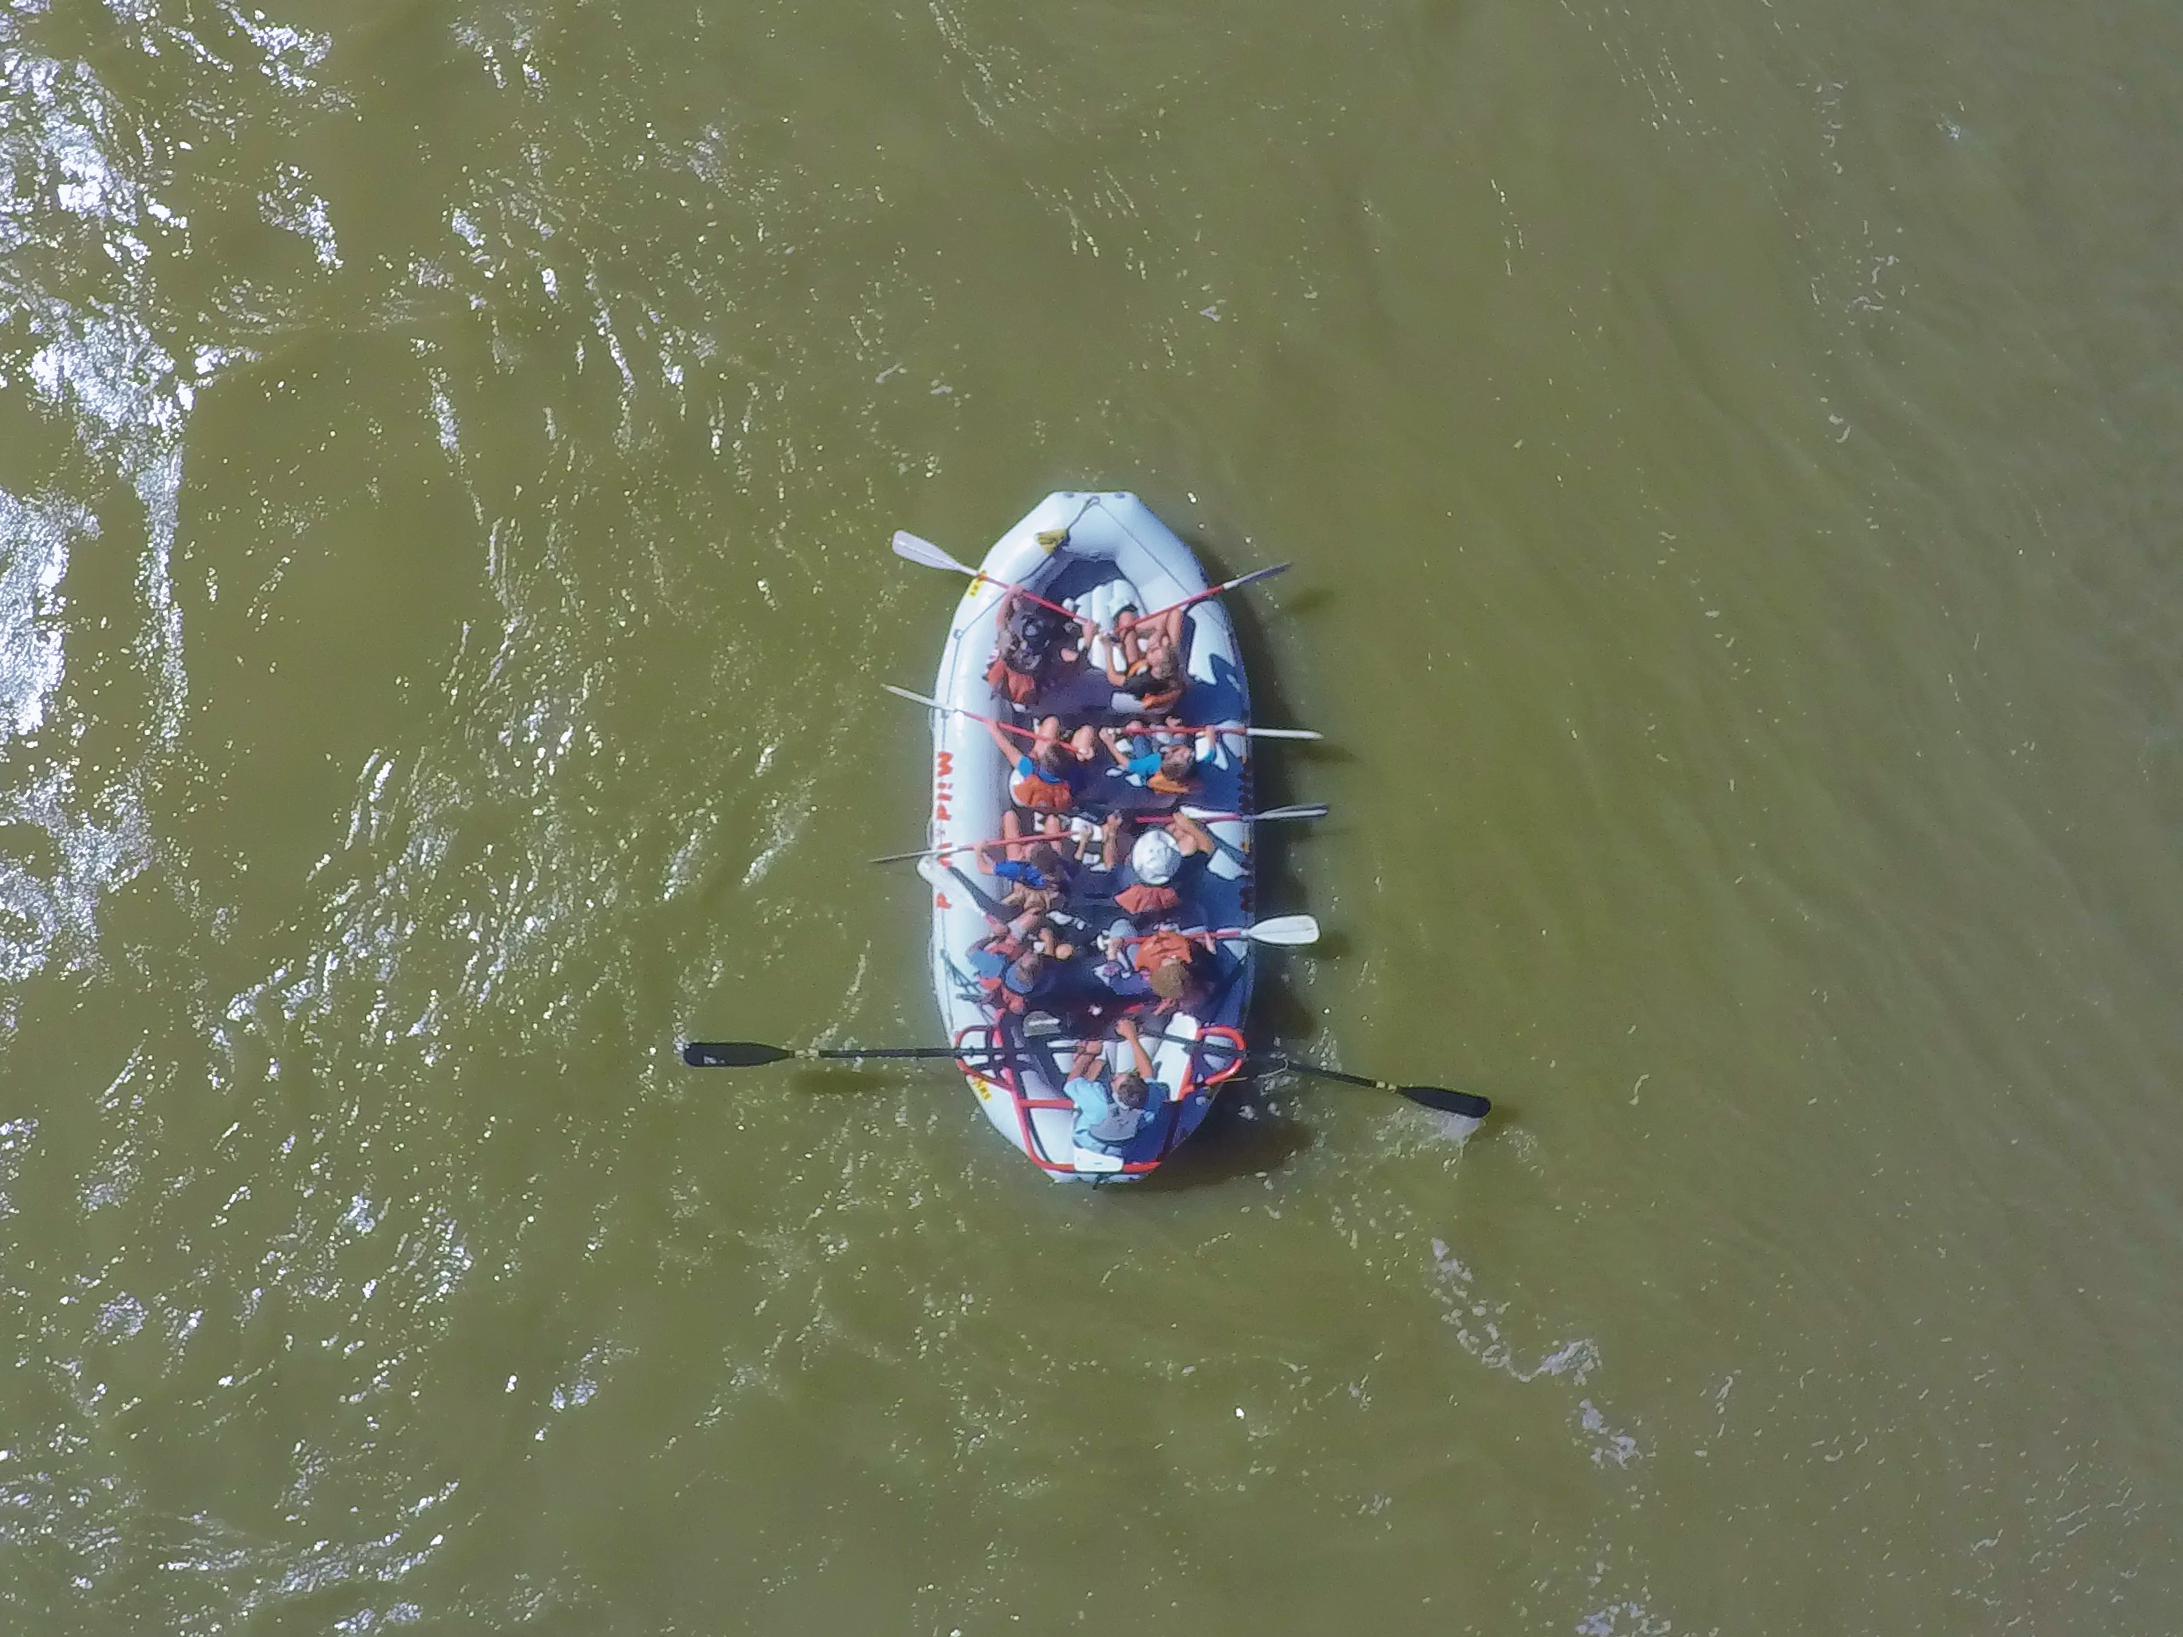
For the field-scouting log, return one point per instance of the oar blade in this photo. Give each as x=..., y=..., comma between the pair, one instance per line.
x=1284, y=733
x=732, y=1054
x=1466, y=1104
x=1291, y=930
x=925, y=554
x=1265, y=573
x=1303, y=810
x=913, y=698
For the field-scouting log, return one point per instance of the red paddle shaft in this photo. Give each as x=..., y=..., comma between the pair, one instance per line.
x=983, y=578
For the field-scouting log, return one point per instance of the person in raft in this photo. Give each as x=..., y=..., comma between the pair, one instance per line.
x=1039, y=881
x=1093, y=843
x=1030, y=634
x=1117, y=974
x=1013, y=971
x=1145, y=659
x=1168, y=959
x=1156, y=860
x=1039, y=775
x=1165, y=769
x=1111, y=1109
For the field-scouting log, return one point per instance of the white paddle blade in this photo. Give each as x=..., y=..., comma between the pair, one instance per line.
x=1284, y=733
x=925, y=553
x=1286, y=929
x=1266, y=573
x=915, y=698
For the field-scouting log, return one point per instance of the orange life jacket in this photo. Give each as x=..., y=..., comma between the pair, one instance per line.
x=1162, y=947
x=1042, y=795
x=1018, y=685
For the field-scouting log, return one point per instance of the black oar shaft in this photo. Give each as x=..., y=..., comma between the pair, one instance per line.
x=1334, y=1074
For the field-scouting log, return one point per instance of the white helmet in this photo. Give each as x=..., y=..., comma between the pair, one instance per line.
x=1155, y=858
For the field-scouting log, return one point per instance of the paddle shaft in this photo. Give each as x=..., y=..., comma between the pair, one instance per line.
x=913, y=548
x=1266, y=573
x=1440, y=1099
x=699, y=1054
x=1179, y=733
x=1311, y=810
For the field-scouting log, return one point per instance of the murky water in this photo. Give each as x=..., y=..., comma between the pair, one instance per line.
x=1729, y=452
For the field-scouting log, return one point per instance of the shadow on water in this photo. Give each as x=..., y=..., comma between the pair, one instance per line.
x=830, y=1080
x=1241, y=1136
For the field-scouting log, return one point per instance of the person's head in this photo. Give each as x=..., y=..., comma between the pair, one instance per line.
x=1170, y=980
x=1045, y=858
x=1129, y=1089
x=1176, y=761
x=1155, y=858
x=1024, y=975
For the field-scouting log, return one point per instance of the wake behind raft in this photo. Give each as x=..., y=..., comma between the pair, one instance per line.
x=1142, y=789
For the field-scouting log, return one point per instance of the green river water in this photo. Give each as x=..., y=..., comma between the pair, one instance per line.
x=1730, y=462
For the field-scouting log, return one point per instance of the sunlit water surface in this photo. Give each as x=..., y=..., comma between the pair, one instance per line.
x=1729, y=455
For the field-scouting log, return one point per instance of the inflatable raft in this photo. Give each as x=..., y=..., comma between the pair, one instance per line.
x=1100, y=552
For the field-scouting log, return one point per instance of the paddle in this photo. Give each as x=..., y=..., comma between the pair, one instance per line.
x=1023, y=732
x=1308, y=810
x=927, y=555
x=751, y=1054
x=1214, y=591
x=1468, y=1104
x=748, y=1054
x=1289, y=931
x=1439, y=1098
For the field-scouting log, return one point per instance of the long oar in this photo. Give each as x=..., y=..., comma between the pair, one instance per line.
x=928, y=555
x=1468, y=1104
x=748, y=1054
x=1306, y=810
x=1010, y=727
x=1214, y=591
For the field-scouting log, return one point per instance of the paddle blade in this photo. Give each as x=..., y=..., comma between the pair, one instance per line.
x=1266, y=573
x=1448, y=1102
x=1304, y=810
x=1285, y=929
x=1284, y=733
x=925, y=554
x=913, y=698
x=731, y=1054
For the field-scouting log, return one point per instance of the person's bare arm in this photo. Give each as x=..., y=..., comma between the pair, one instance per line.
x=1009, y=750
x=1127, y=1029
x=1117, y=656
x=1191, y=836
